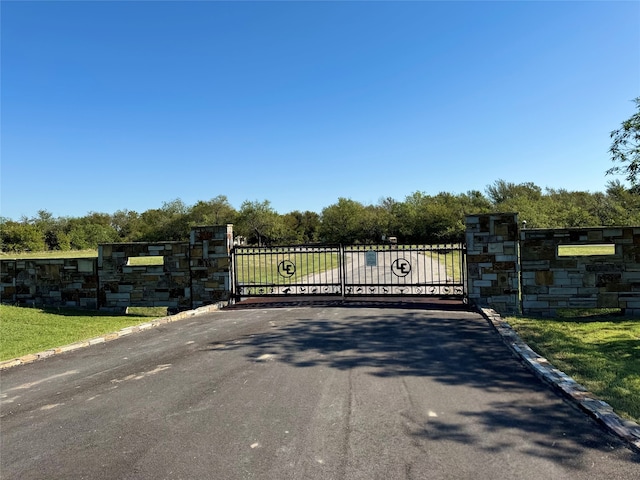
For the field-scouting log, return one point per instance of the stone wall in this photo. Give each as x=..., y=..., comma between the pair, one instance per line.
x=50, y=282
x=493, y=271
x=515, y=270
x=123, y=285
x=210, y=251
x=551, y=281
x=191, y=274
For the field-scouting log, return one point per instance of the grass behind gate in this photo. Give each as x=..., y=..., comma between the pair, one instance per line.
x=263, y=269
x=450, y=259
x=601, y=352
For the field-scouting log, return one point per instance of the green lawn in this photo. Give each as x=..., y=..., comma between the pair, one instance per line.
x=600, y=352
x=450, y=258
x=585, y=250
x=32, y=330
x=263, y=269
x=49, y=254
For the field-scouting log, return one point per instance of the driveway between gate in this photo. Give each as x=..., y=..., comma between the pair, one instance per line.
x=313, y=392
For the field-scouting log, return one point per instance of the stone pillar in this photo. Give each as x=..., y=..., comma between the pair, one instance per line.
x=210, y=253
x=493, y=270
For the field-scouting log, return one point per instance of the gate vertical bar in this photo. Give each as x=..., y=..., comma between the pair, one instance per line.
x=342, y=270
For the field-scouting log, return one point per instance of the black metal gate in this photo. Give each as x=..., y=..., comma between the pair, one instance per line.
x=354, y=270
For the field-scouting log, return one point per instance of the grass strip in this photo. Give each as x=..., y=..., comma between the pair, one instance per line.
x=600, y=352
x=263, y=268
x=52, y=254
x=32, y=330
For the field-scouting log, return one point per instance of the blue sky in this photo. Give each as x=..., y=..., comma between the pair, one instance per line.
x=116, y=105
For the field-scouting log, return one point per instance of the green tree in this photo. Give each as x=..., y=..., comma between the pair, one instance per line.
x=436, y=219
x=90, y=231
x=127, y=224
x=217, y=211
x=625, y=149
x=260, y=223
x=301, y=227
x=171, y=222
x=621, y=206
x=20, y=237
x=526, y=199
x=342, y=222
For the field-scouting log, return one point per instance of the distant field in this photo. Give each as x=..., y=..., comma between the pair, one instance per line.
x=49, y=254
x=585, y=250
x=264, y=268
x=146, y=260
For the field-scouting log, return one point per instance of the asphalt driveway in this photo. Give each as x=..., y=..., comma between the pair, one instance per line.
x=315, y=392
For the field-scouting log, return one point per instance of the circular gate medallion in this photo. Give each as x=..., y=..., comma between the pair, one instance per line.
x=287, y=268
x=401, y=267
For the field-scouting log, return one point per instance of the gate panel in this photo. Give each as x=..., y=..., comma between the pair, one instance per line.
x=404, y=270
x=289, y=270
x=357, y=270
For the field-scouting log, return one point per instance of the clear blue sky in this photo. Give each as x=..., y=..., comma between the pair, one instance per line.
x=115, y=105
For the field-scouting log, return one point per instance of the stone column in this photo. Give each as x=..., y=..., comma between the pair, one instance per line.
x=493, y=270
x=210, y=250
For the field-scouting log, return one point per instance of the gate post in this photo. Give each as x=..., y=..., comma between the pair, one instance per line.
x=210, y=262
x=493, y=266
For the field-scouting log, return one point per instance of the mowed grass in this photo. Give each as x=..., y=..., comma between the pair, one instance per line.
x=450, y=258
x=585, y=250
x=601, y=352
x=32, y=330
x=263, y=269
x=49, y=254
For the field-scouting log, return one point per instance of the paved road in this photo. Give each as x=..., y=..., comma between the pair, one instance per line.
x=299, y=393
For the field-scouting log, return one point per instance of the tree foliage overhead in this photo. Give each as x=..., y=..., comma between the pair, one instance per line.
x=625, y=149
x=419, y=218
x=260, y=223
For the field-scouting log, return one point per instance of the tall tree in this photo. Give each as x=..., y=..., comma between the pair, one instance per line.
x=126, y=223
x=341, y=222
x=260, y=223
x=20, y=237
x=301, y=227
x=625, y=149
x=217, y=211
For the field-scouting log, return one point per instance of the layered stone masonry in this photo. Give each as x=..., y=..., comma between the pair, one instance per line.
x=50, y=282
x=493, y=271
x=210, y=253
x=551, y=281
x=123, y=284
x=191, y=274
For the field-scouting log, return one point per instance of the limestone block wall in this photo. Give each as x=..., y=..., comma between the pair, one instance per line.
x=493, y=271
x=189, y=274
x=70, y=282
x=210, y=249
x=551, y=281
x=123, y=284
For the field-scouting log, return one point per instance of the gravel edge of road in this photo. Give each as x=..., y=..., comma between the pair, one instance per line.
x=586, y=401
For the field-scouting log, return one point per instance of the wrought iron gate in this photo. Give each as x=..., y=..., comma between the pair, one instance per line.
x=355, y=270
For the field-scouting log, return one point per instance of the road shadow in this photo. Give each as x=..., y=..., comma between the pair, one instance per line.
x=451, y=347
x=454, y=348
x=395, y=302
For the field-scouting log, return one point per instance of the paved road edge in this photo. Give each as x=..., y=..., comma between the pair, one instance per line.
x=32, y=357
x=601, y=411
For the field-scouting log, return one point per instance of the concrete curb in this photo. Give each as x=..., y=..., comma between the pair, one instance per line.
x=599, y=410
x=32, y=357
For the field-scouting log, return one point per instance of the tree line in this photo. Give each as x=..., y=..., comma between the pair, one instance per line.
x=419, y=218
